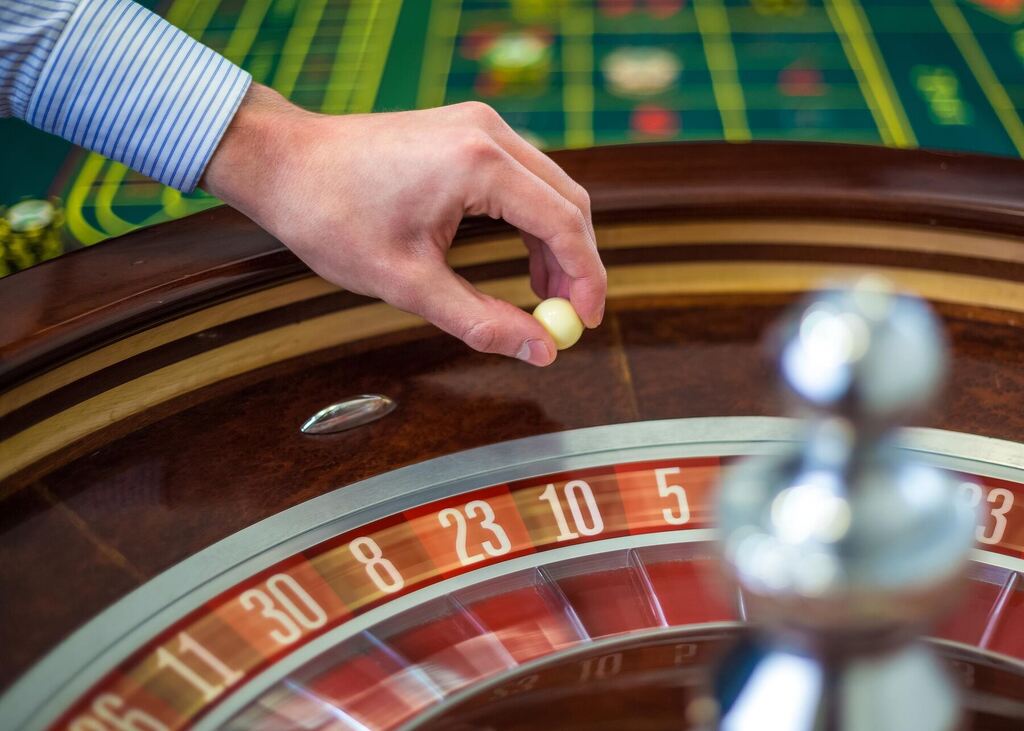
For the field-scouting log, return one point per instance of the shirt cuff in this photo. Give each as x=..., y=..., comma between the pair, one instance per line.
x=125, y=83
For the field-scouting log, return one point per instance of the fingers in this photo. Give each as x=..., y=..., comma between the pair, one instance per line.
x=484, y=323
x=538, y=265
x=559, y=284
x=575, y=270
x=558, y=280
x=518, y=196
x=546, y=169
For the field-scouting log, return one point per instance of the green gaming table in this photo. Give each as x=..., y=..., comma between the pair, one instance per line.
x=939, y=74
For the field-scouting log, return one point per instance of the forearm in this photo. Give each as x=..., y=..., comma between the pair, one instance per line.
x=115, y=78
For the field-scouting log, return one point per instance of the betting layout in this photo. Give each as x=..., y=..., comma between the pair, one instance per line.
x=192, y=666
x=942, y=74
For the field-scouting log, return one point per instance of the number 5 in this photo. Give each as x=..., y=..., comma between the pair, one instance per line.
x=682, y=517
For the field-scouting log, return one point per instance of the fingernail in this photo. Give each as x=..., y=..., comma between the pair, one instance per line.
x=534, y=352
x=595, y=320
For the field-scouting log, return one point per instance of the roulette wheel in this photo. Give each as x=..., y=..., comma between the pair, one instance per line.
x=455, y=540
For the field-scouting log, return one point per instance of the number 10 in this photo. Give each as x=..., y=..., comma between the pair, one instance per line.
x=574, y=491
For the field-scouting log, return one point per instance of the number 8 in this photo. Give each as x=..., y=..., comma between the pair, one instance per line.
x=381, y=571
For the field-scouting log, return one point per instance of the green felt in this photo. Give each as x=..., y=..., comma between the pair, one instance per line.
x=940, y=74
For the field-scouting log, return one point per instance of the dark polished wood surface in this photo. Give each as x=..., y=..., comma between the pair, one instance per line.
x=81, y=529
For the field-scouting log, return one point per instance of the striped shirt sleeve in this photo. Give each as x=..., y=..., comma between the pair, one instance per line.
x=115, y=78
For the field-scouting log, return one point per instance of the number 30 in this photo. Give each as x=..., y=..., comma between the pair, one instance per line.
x=280, y=607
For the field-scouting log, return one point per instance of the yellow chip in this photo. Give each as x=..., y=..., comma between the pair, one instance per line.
x=31, y=215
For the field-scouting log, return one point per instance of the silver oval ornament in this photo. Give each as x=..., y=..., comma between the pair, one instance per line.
x=348, y=414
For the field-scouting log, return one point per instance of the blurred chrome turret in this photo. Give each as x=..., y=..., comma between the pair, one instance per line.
x=845, y=549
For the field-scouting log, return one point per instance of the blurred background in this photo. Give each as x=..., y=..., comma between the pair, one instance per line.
x=941, y=74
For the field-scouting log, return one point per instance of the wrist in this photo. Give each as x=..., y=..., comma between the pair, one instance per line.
x=241, y=170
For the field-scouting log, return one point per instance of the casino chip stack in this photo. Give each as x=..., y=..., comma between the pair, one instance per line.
x=518, y=61
x=30, y=231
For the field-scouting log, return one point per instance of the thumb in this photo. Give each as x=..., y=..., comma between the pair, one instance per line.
x=482, y=322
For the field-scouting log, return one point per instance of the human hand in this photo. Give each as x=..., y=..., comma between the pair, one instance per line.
x=371, y=202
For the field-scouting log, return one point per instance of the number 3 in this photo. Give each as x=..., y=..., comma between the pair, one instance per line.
x=998, y=513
